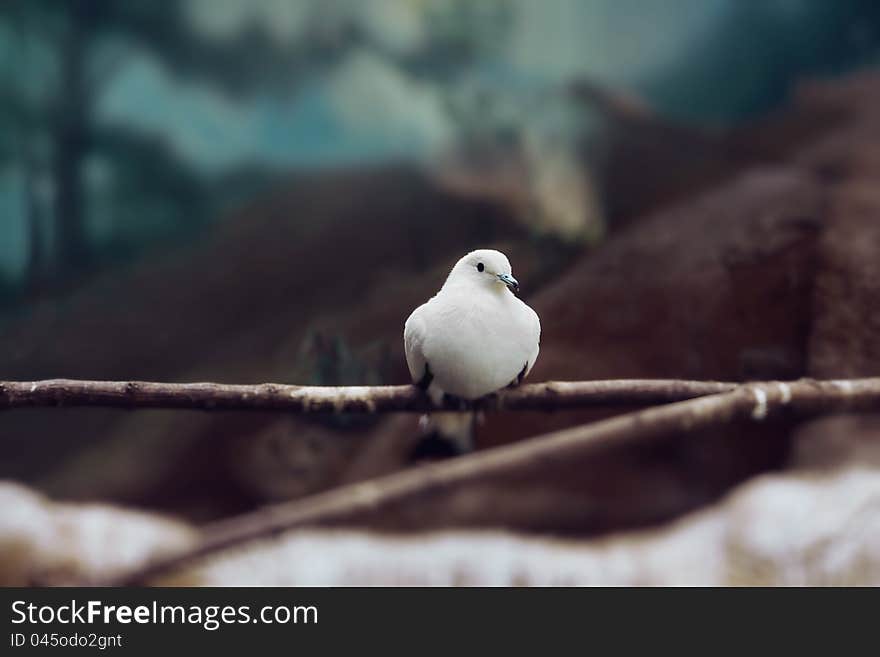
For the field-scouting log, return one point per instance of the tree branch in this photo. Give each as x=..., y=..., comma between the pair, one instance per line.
x=548, y=396
x=754, y=402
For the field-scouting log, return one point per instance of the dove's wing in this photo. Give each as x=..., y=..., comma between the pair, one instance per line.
x=534, y=326
x=414, y=332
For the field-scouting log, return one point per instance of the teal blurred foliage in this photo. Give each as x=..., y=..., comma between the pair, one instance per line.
x=130, y=124
x=95, y=189
x=79, y=189
x=748, y=62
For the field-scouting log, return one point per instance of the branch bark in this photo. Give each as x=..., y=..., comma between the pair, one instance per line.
x=753, y=402
x=548, y=396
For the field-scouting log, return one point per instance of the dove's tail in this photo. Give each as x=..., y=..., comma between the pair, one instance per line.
x=445, y=434
x=458, y=428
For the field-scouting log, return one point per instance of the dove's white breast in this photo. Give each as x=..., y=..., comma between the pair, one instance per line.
x=474, y=341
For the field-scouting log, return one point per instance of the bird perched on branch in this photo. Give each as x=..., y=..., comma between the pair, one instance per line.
x=473, y=338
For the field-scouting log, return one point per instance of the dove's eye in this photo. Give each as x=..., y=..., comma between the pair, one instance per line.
x=480, y=266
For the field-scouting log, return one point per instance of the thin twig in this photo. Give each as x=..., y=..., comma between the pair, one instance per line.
x=754, y=402
x=548, y=396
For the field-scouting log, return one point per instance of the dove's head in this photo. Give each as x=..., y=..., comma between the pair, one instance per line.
x=483, y=267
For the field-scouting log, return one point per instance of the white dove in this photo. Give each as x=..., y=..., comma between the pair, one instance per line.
x=471, y=339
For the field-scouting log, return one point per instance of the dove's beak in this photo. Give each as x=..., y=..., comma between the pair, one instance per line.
x=509, y=281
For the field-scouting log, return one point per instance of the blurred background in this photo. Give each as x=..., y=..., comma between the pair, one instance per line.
x=129, y=127
x=262, y=190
